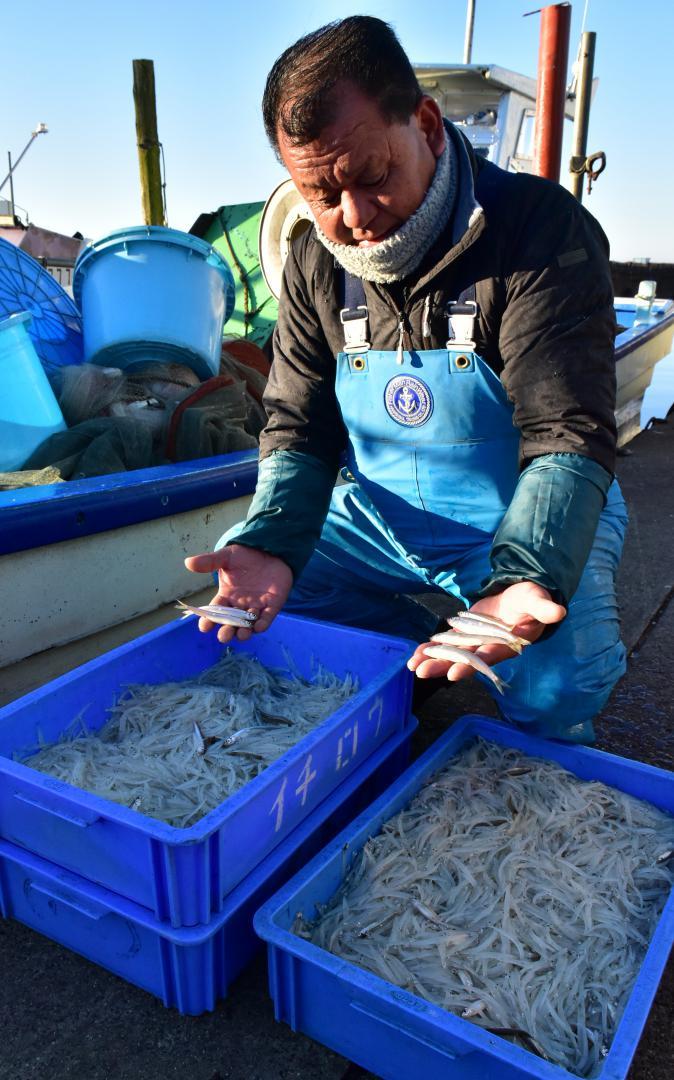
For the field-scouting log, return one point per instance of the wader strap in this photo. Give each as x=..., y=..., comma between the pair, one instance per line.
x=461, y=316
x=353, y=315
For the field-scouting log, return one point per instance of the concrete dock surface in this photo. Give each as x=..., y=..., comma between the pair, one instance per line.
x=62, y=1017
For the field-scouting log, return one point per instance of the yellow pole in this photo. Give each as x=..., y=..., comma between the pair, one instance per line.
x=148, y=142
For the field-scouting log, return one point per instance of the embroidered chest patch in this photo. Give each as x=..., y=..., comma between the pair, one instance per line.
x=408, y=400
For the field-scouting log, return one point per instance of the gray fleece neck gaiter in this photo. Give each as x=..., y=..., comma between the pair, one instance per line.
x=401, y=253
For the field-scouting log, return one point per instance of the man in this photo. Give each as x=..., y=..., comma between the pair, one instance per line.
x=445, y=330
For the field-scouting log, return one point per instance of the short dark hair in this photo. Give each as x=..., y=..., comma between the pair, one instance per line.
x=299, y=96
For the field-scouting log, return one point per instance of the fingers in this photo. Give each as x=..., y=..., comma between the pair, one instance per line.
x=545, y=611
x=431, y=669
x=435, y=669
x=207, y=563
x=426, y=667
x=418, y=658
x=205, y=624
x=522, y=605
x=265, y=618
x=262, y=623
x=228, y=633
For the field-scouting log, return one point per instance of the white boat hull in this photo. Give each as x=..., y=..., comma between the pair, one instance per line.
x=639, y=349
x=58, y=593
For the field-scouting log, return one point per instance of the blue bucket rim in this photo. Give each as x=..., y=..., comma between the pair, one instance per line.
x=136, y=233
x=16, y=319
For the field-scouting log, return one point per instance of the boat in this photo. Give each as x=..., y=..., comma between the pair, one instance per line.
x=646, y=330
x=111, y=547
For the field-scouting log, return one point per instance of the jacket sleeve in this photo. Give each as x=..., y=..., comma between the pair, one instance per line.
x=558, y=330
x=548, y=530
x=557, y=345
x=302, y=441
x=288, y=508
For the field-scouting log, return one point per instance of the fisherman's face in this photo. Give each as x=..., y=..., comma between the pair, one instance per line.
x=364, y=177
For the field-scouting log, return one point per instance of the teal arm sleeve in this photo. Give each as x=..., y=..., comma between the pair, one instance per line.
x=289, y=507
x=548, y=530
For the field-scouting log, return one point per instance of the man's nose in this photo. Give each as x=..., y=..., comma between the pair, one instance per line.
x=358, y=209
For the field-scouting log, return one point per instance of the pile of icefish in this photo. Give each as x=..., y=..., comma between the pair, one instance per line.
x=175, y=751
x=514, y=895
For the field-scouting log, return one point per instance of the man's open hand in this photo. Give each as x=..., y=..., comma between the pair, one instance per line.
x=248, y=579
x=526, y=607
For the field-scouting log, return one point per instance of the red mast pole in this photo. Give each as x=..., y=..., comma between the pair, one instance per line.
x=553, y=56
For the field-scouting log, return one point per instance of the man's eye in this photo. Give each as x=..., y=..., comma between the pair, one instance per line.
x=378, y=181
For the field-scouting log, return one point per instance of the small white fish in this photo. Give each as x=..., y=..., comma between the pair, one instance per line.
x=427, y=913
x=198, y=739
x=272, y=721
x=240, y=734
x=474, y=1010
x=457, y=940
x=493, y=620
x=470, y=623
x=454, y=637
x=365, y=930
x=267, y=718
x=460, y=656
x=224, y=616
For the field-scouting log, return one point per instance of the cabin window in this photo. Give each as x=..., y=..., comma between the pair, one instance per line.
x=522, y=159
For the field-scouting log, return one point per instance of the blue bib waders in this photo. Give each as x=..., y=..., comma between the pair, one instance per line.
x=432, y=466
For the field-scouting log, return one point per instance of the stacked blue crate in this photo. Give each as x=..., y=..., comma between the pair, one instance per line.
x=171, y=909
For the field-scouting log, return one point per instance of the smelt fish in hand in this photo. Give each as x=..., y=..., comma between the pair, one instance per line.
x=224, y=616
x=461, y=656
x=468, y=622
x=463, y=641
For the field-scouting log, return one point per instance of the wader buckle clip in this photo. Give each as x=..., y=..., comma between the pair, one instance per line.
x=354, y=321
x=461, y=316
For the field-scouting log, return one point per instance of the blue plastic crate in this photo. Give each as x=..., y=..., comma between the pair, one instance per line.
x=189, y=968
x=392, y=1032
x=184, y=875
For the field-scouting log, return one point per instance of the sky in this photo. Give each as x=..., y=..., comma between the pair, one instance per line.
x=69, y=65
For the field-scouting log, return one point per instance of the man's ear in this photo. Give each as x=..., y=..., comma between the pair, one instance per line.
x=429, y=119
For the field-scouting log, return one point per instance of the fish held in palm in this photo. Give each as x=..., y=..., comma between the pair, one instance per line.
x=216, y=613
x=470, y=622
x=461, y=656
x=464, y=641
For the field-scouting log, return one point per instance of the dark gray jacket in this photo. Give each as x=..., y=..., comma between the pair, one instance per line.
x=539, y=262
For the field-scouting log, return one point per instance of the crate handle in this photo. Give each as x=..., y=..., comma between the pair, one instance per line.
x=72, y=819
x=90, y=912
x=400, y=1027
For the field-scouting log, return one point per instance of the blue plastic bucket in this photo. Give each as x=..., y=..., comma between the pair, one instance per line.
x=29, y=411
x=56, y=327
x=153, y=294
